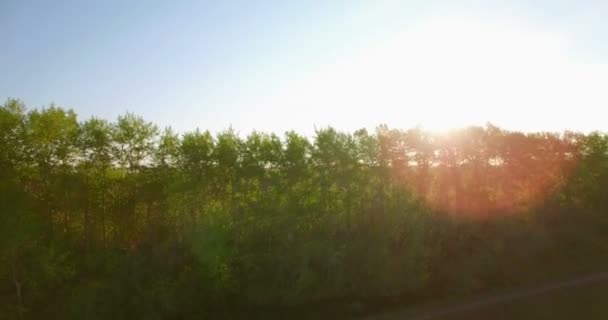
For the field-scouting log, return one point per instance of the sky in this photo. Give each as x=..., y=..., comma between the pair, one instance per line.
x=300, y=65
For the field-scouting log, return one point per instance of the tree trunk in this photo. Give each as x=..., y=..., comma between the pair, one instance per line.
x=18, y=289
x=66, y=219
x=103, y=217
x=87, y=227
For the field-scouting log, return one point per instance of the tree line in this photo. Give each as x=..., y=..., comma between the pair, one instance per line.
x=121, y=219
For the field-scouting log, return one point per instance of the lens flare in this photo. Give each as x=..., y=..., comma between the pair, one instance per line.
x=480, y=171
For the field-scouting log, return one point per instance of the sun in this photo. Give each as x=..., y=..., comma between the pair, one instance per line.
x=448, y=72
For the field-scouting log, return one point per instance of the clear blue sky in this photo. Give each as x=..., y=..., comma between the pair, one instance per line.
x=279, y=65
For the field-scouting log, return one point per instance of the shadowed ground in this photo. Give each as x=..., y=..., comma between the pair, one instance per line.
x=580, y=298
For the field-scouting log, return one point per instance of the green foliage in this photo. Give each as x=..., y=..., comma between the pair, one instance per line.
x=118, y=220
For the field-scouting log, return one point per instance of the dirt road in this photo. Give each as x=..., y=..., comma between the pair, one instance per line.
x=494, y=299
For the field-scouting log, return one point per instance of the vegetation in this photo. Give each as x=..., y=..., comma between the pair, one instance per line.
x=122, y=220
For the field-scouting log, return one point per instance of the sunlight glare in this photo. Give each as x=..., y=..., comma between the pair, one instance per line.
x=447, y=73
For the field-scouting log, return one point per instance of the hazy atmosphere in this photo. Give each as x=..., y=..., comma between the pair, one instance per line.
x=177, y=160
x=294, y=65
